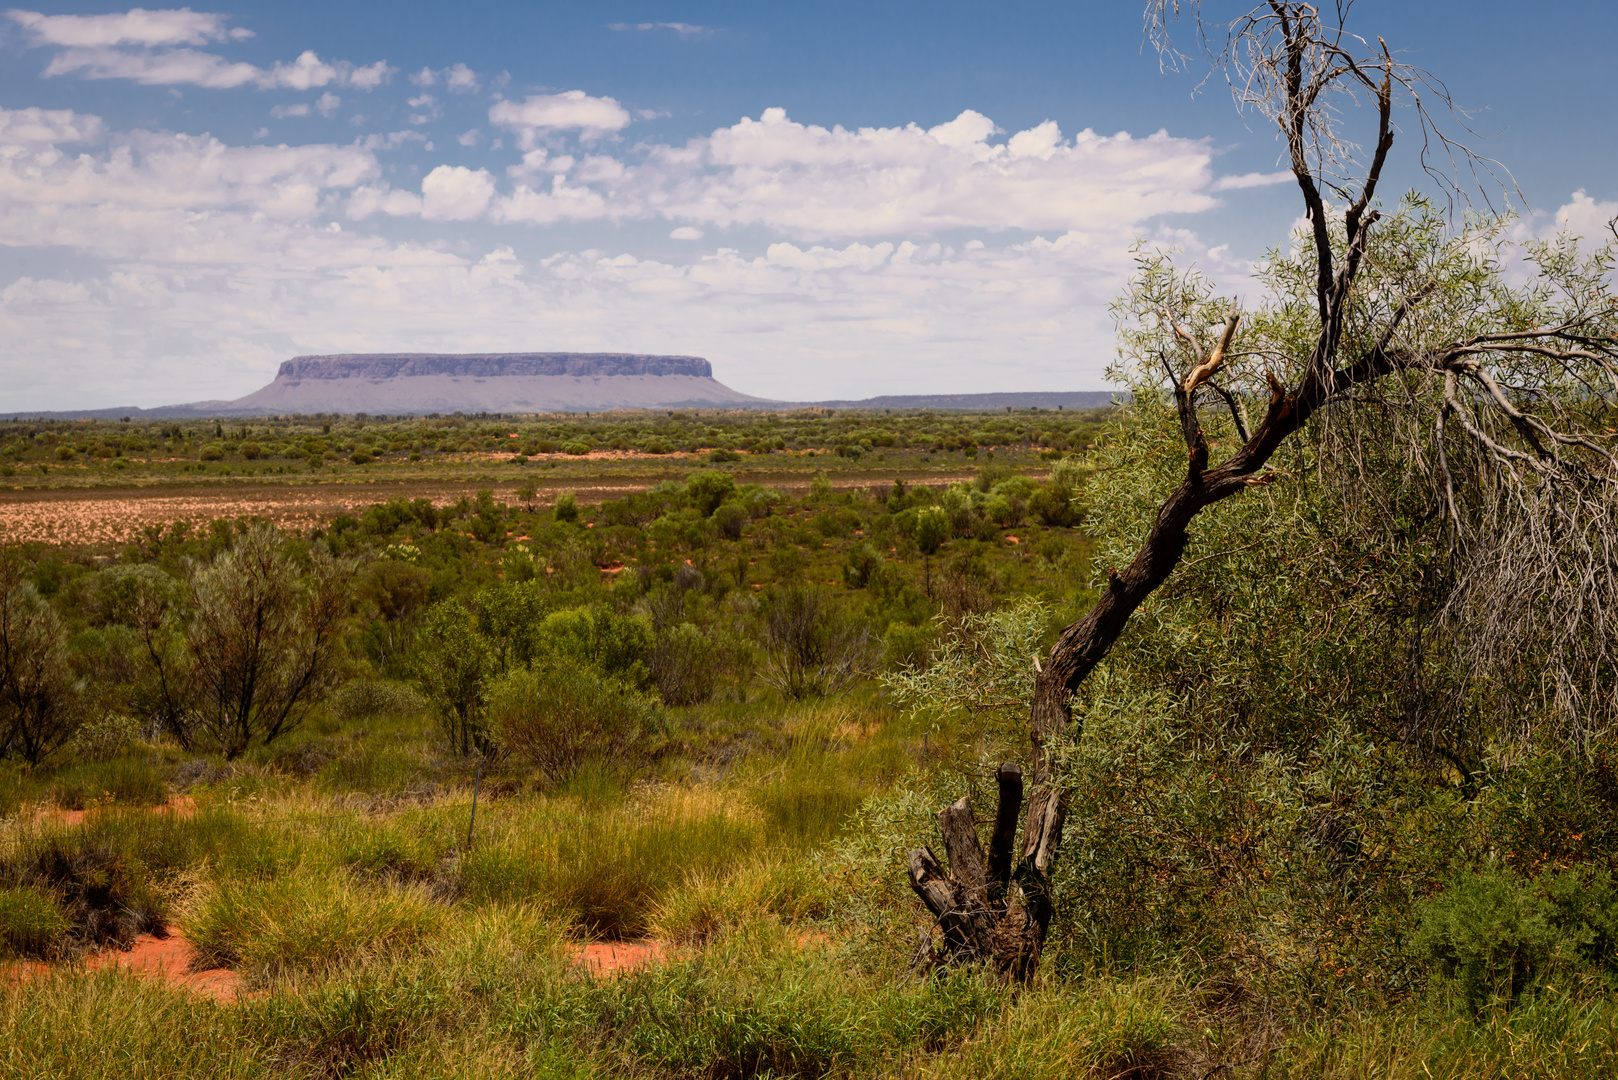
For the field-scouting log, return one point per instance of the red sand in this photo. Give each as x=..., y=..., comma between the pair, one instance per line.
x=614, y=957
x=178, y=805
x=168, y=959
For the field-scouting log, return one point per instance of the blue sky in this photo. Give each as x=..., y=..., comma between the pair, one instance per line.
x=828, y=200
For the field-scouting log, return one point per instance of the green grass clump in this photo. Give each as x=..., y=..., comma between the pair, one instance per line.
x=32, y=923
x=609, y=869
x=78, y=1025
x=1098, y=1027
x=765, y=890
x=307, y=920
x=121, y=781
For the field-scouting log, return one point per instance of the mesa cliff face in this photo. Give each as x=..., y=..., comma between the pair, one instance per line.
x=489, y=365
x=402, y=383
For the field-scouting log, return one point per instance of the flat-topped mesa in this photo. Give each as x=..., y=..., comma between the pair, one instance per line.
x=489, y=365
x=400, y=383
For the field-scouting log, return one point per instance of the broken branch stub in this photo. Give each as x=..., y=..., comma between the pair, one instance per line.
x=990, y=912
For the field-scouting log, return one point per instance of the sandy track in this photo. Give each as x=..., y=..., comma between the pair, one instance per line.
x=97, y=518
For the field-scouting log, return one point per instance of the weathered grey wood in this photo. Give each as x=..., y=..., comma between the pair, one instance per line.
x=929, y=882
x=960, y=835
x=1004, y=841
x=943, y=898
x=1042, y=832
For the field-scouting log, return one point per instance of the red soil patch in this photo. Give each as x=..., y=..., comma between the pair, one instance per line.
x=178, y=805
x=167, y=959
x=615, y=957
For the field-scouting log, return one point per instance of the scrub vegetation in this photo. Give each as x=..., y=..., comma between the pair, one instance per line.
x=1304, y=653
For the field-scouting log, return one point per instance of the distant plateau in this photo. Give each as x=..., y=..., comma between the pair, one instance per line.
x=414, y=384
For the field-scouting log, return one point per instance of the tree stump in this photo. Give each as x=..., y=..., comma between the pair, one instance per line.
x=991, y=911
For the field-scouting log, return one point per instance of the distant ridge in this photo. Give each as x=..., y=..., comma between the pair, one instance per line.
x=405, y=384
x=1073, y=399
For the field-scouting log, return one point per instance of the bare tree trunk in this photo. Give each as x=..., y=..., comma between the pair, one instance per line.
x=1287, y=61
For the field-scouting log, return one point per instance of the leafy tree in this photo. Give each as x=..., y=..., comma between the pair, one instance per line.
x=39, y=701
x=262, y=638
x=709, y=489
x=455, y=664
x=1393, y=346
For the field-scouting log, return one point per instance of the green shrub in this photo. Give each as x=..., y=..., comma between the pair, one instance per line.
x=567, y=507
x=32, y=923
x=106, y=738
x=906, y=646
x=365, y=699
x=213, y=452
x=708, y=490
x=576, y=449
x=1495, y=934
x=360, y=457
x=565, y=714
x=120, y=781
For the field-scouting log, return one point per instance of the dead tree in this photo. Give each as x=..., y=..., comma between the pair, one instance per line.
x=1542, y=468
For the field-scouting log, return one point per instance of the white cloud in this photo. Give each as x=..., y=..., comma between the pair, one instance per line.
x=680, y=28
x=573, y=110
x=168, y=67
x=187, y=66
x=281, y=112
x=149, y=195
x=206, y=264
x=1585, y=217
x=460, y=79
x=469, y=138
x=391, y=140
x=456, y=193
x=425, y=77
x=813, y=182
x=22, y=127
x=1252, y=180
x=327, y=103
x=368, y=76
x=134, y=27
x=307, y=72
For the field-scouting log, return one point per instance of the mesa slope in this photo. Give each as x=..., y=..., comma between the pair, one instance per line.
x=415, y=383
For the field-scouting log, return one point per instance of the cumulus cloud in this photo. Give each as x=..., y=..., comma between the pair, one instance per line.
x=573, y=110
x=687, y=30
x=25, y=127
x=815, y=183
x=205, y=264
x=171, y=67
x=456, y=193
x=135, y=27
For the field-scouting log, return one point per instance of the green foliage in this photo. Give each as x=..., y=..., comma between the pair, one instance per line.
x=708, y=490
x=564, y=714
x=566, y=507
x=305, y=921
x=32, y=923
x=1496, y=935
x=455, y=663
x=933, y=528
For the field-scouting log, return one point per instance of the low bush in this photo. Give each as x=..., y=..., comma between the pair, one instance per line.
x=564, y=714
x=1494, y=935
